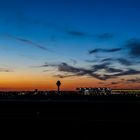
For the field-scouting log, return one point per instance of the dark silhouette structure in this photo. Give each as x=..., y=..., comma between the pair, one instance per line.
x=58, y=83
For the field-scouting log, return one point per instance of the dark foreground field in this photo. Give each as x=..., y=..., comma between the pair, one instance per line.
x=86, y=110
x=84, y=115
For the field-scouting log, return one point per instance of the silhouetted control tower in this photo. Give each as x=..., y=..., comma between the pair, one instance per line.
x=58, y=83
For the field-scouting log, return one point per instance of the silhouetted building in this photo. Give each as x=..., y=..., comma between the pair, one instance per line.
x=35, y=91
x=94, y=91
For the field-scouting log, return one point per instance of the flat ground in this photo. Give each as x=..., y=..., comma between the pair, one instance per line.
x=81, y=117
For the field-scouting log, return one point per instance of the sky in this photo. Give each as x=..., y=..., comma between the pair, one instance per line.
x=82, y=43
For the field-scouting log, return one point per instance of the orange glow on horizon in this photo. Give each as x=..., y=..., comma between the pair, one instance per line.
x=31, y=81
x=66, y=85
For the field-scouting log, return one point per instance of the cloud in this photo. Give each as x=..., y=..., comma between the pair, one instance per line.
x=64, y=67
x=124, y=62
x=47, y=65
x=126, y=73
x=90, y=61
x=137, y=80
x=74, y=61
x=134, y=47
x=105, y=36
x=106, y=66
x=72, y=71
x=64, y=76
x=57, y=27
x=106, y=59
x=22, y=18
x=101, y=83
x=67, y=68
x=105, y=50
x=5, y=70
x=113, y=70
x=96, y=51
x=114, y=83
x=76, y=33
x=101, y=66
x=62, y=29
x=29, y=42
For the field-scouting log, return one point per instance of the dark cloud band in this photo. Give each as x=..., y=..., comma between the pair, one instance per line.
x=104, y=50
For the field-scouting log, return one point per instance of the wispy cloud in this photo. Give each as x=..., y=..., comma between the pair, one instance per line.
x=136, y=80
x=124, y=62
x=64, y=29
x=76, y=33
x=74, y=61
x=48, y=65
x=127, y=73
x=105, y=36
x=22, y=18
x=106, y=66
x=5, y=70
x=101, y=66
x=90, y=61
x=30, y=42
x=114, y=83
x=64, y=76
x=104, y=50
x=134, y=47
x=93, y=71
x=113, y=70
x=74, y=71
x=107, y=59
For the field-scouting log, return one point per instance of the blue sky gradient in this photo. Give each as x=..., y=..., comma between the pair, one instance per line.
x=100, y=38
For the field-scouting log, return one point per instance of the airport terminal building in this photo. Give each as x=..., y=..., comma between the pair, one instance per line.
x=94, y=91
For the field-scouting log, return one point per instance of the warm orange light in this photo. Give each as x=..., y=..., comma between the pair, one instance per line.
x=32, y=80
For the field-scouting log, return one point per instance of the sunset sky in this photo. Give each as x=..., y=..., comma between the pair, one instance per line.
x=82, y=43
